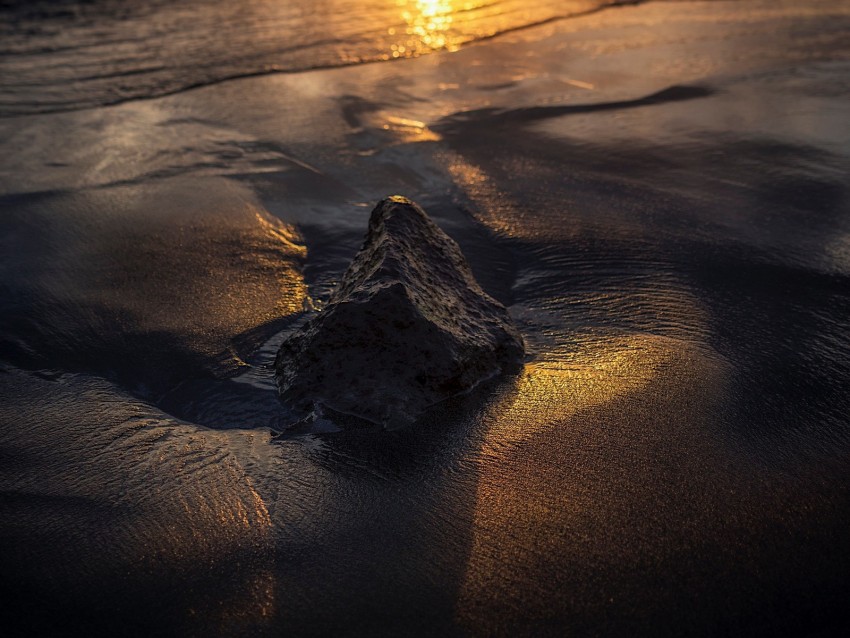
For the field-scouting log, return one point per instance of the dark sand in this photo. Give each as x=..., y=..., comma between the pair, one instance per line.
x=659, y=193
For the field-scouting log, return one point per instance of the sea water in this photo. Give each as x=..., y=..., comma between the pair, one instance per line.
x=659, y=195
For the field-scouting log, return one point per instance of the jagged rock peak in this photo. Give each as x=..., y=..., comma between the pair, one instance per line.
x=407, y=326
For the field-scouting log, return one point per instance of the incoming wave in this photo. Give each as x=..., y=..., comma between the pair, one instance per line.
x=61, y=55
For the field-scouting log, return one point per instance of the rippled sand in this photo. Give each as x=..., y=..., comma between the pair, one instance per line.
x=659, y=193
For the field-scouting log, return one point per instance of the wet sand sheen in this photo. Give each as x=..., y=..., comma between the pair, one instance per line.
x=610, y=470
x=671, y=460
x=632, y=508
x=114, y=509
x=207, y=270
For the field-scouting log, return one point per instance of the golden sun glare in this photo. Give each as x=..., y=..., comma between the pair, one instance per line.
x=428, y=27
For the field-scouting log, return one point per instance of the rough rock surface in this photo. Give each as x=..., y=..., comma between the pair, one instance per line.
x=407, y=327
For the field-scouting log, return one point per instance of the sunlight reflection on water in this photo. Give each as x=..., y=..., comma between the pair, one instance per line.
x=580, y=418
x=429, y=28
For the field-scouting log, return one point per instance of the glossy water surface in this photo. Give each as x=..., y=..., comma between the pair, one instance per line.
x=659, y=194
x=69, y=55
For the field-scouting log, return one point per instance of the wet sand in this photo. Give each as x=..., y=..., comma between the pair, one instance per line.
x=658, y=193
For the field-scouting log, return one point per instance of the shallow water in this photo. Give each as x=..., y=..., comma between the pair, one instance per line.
x=70, y=55
x=659, y=193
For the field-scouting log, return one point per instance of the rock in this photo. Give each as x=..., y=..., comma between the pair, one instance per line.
x=407, y=326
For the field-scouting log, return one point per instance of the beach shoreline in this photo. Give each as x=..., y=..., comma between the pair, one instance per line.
x=659, y=195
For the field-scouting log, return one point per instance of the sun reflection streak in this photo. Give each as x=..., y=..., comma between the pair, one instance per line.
x=549, y=392
x=409, y=131
x=599, y=418
x=429, y=26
